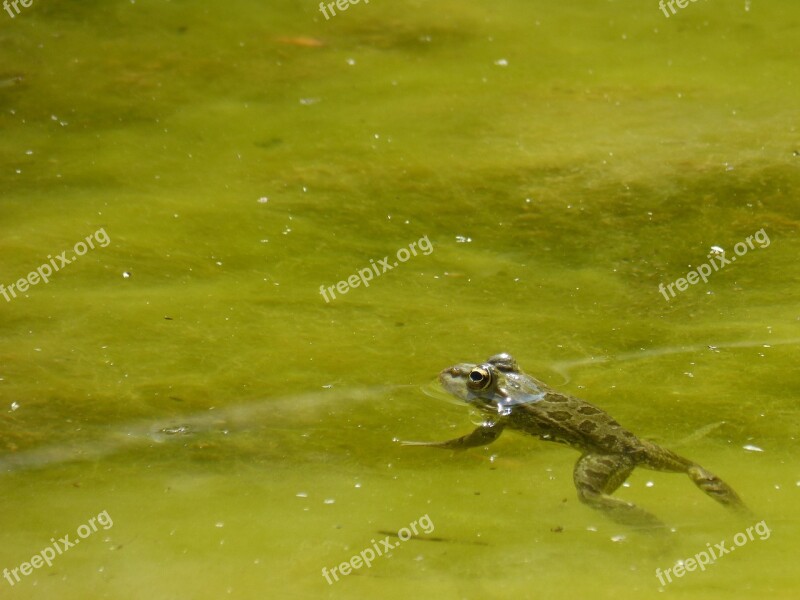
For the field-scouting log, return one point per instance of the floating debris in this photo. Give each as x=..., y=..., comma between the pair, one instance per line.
x=177, y=430
x=752, y=448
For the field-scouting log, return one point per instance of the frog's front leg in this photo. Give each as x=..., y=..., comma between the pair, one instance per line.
x=483, y=435
x=597, y=476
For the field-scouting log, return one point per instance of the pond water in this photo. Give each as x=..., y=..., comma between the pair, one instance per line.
x=192, y=391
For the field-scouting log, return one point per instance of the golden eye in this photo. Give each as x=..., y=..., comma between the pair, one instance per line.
x=479, y=378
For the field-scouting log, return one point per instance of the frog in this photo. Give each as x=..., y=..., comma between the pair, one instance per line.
x=508, y=398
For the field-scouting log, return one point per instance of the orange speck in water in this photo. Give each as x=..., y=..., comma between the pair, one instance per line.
x=307, y=42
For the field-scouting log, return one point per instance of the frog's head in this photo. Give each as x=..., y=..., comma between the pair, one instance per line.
x=494, y=385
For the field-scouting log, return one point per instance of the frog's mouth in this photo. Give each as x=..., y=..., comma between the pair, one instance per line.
x=434, y=389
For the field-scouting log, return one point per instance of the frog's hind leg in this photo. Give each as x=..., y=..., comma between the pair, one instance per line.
x=661, y=459
x=597, y=476
x=716, y=488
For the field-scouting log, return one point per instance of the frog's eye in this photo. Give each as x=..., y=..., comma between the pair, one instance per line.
x=479, y=378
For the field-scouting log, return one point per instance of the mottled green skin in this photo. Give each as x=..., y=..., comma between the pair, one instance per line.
x=609, y=452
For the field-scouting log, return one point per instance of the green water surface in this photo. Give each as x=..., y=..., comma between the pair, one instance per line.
x=562, y=160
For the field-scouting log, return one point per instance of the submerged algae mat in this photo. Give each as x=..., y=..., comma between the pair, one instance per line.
x=190, y=381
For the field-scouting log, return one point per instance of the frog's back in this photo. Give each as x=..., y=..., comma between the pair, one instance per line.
x=575, y=422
